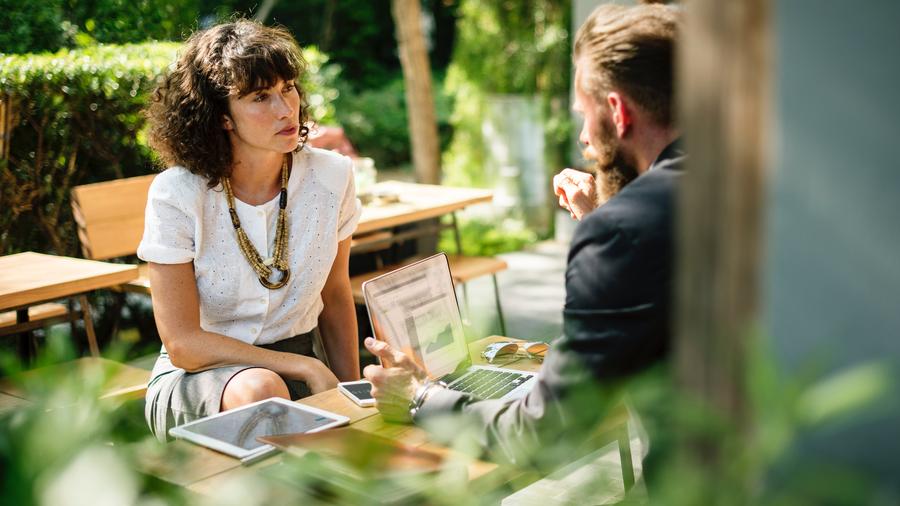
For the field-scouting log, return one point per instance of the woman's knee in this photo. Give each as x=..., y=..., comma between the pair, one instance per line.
x=251, y=385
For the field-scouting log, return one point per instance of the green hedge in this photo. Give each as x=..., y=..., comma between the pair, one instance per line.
x=76, y=118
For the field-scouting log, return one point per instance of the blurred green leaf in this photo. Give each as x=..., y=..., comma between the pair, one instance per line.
x=845, y=394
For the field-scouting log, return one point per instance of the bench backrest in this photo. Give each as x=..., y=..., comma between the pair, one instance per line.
x=110, y=216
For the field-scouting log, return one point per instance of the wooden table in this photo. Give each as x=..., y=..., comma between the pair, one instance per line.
x=417, y=202
x=28, y=279
x=205, y=471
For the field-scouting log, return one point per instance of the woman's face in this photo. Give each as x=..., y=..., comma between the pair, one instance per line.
x=265, y=119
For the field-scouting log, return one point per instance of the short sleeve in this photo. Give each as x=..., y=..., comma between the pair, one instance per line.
x=169, y=221
x=351, y=209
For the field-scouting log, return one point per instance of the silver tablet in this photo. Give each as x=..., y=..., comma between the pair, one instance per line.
x=234, y=432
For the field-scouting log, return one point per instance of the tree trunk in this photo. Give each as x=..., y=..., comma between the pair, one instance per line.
x=724, y=97
x=327, y=25
x=264, y=10
x=419, y=99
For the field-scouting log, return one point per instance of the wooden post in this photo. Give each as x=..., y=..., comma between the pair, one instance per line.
x=723, y=83
x=419, y=98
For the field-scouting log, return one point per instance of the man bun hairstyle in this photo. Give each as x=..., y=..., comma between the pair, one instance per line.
x=631, y=49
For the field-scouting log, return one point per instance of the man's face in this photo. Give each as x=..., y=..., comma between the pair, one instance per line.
x=602, y=144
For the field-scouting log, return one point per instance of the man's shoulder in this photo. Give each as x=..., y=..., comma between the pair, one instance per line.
x=653, y=190
x=644, y=205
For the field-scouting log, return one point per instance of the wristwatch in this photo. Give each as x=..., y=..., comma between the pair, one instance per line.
x=422, y=394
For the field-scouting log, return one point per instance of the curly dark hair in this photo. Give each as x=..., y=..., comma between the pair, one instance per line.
x=186, y=111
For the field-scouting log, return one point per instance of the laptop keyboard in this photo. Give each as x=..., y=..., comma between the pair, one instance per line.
x=488, y=384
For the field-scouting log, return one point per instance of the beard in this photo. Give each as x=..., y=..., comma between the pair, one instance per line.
x=611, y=169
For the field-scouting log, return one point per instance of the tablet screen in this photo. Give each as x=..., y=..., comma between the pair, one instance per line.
x=241, y=427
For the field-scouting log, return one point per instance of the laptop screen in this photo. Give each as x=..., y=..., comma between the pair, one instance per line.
x=415, y=310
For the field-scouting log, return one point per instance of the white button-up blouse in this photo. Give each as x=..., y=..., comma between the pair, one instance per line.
x=188, y=222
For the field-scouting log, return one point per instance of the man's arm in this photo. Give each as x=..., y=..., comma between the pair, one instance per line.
x=569, y=399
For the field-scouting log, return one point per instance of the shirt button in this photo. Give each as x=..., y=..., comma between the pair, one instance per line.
x=253, y=330
x=260, y=213
x=262, y=301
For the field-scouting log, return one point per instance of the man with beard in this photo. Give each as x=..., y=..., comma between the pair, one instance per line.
x=619, y=273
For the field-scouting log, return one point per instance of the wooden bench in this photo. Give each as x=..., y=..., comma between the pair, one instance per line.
x=462, y=269
x=117, y=381
x=110, y=219
x=371, y=241
x=40, y=315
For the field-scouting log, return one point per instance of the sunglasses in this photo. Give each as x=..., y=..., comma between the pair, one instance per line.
x=507, y=349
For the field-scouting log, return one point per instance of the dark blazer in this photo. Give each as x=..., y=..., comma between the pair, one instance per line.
x=617, y=321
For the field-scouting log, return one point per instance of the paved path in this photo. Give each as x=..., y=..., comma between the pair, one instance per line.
x=532, y=292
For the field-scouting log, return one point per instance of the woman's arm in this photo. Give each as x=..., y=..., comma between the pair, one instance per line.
x=337, y=322
x=176, y=308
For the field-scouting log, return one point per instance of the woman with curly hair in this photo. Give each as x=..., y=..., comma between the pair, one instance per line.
x=247, y=234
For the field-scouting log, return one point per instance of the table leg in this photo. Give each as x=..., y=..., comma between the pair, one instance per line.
x=499, y=307
x=466, y=300
x=456, y=236
x=89, y=325
x=27, y=340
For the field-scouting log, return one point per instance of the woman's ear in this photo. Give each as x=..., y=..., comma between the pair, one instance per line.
x=227, y=124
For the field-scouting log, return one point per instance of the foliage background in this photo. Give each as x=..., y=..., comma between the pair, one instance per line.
x=78, y=72
x=477, y=48
x=507, y=48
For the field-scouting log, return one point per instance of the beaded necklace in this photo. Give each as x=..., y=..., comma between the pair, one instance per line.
x=278, y=260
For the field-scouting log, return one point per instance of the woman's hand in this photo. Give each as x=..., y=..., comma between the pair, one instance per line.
x=319, y=377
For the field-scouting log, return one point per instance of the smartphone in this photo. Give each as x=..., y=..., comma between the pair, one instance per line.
x=359, y=392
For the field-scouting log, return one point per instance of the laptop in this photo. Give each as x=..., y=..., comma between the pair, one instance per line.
x=415, y=310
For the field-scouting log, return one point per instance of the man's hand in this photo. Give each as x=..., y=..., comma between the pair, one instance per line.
x=577, y=192
x=393, y=387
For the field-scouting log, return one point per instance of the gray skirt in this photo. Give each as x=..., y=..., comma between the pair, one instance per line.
x=175, y=396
